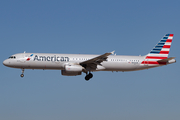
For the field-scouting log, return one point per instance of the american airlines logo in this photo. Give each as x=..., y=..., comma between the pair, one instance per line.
x=50, y=58
x=29, y=58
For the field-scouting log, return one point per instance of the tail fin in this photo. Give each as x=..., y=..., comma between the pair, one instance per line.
x=160, y=51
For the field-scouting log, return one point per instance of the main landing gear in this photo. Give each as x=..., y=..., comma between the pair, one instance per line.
x=88, y=76
x=22, y=75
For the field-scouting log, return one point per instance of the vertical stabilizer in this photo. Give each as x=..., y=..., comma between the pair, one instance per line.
x=160, y=51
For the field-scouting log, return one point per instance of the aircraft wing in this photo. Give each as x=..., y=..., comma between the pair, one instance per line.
x=97, y=60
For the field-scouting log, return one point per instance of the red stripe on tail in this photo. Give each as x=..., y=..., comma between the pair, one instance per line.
x=169, y=40
x=171, y=35
x=164, y=52
x=166, y=46
x=153, y=62
x=154, y=57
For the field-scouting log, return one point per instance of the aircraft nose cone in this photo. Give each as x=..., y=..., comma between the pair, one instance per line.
x=5, y=62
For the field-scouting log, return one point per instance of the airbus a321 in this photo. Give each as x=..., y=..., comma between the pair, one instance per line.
x=76, y=64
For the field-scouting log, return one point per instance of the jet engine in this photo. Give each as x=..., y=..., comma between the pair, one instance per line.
x=72, y=70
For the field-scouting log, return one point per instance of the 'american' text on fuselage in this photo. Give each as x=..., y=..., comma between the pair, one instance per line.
x=50, y=58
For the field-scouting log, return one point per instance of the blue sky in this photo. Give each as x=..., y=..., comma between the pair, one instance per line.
x=89, y=27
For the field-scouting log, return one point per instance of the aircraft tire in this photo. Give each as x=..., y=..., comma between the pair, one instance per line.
x=22, y=75
x=89, y=76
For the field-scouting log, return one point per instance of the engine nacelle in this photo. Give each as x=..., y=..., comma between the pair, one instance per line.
x=72, y=70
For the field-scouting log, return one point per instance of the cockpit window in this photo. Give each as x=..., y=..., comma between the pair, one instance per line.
x=12, y=57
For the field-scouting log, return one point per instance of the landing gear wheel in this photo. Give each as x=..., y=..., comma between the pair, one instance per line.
x=88, y=76
x=22, y=75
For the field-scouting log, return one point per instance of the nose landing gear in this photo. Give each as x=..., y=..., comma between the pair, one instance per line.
x=22, y=75
x=88, y=76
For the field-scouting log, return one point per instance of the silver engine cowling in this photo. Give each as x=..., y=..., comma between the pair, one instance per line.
x=72, y=70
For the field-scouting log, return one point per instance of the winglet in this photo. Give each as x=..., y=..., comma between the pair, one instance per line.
x=112, y=52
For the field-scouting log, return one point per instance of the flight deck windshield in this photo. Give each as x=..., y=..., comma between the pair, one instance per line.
x=12, y=57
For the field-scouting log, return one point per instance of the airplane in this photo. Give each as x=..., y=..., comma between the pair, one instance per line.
x=75, y=64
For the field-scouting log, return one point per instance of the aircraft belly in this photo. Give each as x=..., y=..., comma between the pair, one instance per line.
x=40, y=65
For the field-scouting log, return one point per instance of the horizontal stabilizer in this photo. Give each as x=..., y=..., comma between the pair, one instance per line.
x=166, y=60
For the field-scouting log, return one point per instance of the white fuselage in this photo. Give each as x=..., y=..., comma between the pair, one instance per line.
x=58, y=61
